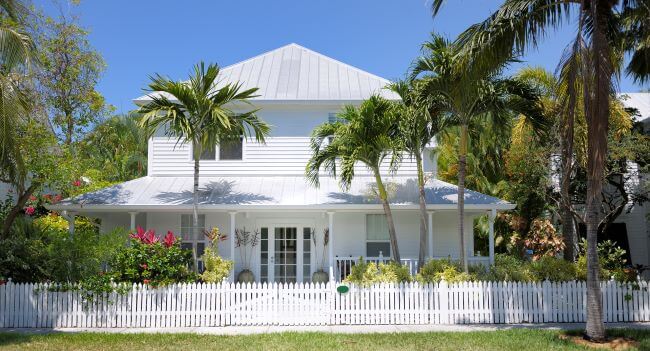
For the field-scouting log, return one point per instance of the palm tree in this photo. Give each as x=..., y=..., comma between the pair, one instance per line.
x=16, y=50
x=366, y=134
x=119, y=146
x=463, y=98
x=594, y=56
x=418, y=125
x=200, y=113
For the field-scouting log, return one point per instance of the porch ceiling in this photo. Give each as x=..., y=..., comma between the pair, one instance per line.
x=270, y=193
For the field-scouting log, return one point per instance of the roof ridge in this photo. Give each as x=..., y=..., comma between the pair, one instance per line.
x=313, y=52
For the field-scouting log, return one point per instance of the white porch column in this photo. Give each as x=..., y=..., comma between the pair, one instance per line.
x=430, y=229
x=69, y=216
x=491, y=217
x=233, y=223
x=330, y=228
x=133, y=214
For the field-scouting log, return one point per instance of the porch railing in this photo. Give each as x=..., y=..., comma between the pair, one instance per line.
x=344, y=264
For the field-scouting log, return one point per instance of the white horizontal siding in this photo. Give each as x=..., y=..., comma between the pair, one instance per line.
x=279, y=156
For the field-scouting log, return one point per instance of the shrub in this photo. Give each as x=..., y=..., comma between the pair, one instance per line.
x=393, y=272
x=441, y=269
x=150, y=260
x=543, y=239
x=508, y=268
x=216, y=267
x=363, y=273
x=553, y=269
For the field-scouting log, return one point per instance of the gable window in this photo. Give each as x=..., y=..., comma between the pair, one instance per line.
x=232, y=149
x=377, y=238
x=192, y=240
x=333, y=118
x=208, y=153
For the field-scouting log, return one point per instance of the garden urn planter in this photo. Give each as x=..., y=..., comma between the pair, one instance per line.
x=320, y=276
x=246, y=276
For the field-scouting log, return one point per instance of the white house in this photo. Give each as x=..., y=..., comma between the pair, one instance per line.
x=262, y=188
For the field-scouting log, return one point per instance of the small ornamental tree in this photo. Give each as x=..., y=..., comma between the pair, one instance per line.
x=152, y=260
x=216, y=267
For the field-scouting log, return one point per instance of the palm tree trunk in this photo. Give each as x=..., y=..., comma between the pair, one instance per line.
x=568, y=227
x=423, y=211
x=389, y=217
x=597, y=124
x=461, y=195
x=195, y=201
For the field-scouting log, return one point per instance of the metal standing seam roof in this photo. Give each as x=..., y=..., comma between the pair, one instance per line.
x=293, y=72
x=639, y=101
x=271, y=192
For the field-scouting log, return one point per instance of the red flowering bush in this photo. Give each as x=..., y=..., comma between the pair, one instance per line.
x=152, y=261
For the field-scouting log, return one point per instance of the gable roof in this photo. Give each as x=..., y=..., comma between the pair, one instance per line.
x=295, y=73
x=272, y=193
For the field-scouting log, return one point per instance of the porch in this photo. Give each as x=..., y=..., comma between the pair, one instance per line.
x=289, y=219
x=289, y=245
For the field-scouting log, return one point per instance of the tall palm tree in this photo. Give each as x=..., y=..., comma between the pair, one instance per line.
x=463, y=98
x=366, y=134
x=202, y=114
x=594, y=56
x=16, y=50
x=418, y=124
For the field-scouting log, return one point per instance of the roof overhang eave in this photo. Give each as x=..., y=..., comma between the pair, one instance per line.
x=272, y=207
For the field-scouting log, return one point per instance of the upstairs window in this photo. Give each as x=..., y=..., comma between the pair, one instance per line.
x=333, y=118
x=209, y=153
x=231, y=149
x=377, y=237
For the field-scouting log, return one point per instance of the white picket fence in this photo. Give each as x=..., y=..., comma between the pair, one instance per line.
x=203, y=305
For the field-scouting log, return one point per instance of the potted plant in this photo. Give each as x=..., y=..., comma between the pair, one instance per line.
x=320, y=276
x=246, y=242
x=216, y=267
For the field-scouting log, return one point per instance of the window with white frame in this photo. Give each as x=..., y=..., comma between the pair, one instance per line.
x=231, y=149
x=193, y=240
x=377, y=238
x=209, y=153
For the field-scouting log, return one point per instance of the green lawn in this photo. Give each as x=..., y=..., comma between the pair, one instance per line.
x=518, y=340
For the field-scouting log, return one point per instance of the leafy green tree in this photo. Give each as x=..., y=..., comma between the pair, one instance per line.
x=418, y=124
x=201, y=114
x=465, y=98
x=70, y=69
x=366, y=134
x=594, y=56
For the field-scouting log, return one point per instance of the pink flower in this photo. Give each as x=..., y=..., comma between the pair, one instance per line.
x=57, y=198
x=146, y=281
x=32, y=198
x=77, y=182
x=169, y=239
x=29, y=210
x=139, y=235
x=144, y=266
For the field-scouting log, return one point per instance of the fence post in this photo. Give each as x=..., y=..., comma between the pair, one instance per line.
x=547, y=298
x=443, y=292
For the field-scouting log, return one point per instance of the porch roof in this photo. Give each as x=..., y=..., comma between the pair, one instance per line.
x=271, y=192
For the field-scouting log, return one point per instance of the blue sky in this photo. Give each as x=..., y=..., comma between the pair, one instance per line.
x=139, y=38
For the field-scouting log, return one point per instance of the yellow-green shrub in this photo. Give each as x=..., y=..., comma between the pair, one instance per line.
x=553, y=269
x=216, y=267
x=441, y=269
x=393, y=272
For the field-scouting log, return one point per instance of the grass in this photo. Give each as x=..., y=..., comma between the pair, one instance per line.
x=514, y=339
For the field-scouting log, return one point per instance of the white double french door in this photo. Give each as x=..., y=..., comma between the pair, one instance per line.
x=285, y=253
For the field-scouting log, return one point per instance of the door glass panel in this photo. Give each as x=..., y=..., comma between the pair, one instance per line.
x=286, y=244
x=264, y=254
x=307, y=234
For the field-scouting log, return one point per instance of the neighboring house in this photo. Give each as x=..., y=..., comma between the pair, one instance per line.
x=632, y=224
x=262, y=188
